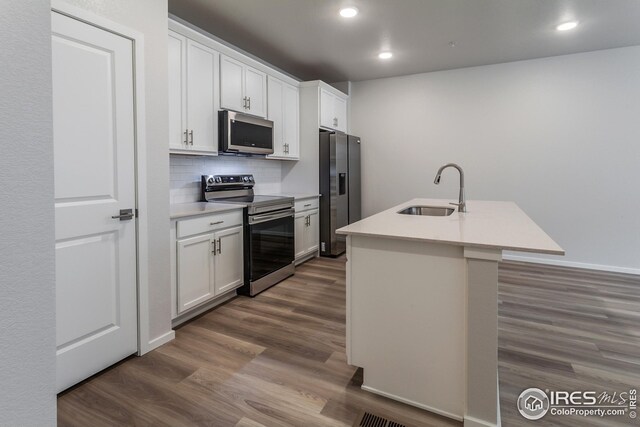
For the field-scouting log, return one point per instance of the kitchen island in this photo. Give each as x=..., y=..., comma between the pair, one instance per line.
x=422, y=303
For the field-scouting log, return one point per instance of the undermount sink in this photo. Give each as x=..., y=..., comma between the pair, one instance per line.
x=427, y=211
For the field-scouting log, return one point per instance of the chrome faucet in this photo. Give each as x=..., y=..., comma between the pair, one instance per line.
x=462, y=204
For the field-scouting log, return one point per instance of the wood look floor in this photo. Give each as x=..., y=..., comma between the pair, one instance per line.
x=278, y=359
x=566, y=329
x=274, y=360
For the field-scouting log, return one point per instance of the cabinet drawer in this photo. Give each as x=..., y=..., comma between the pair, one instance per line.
x=206, y=223
x=306, y=204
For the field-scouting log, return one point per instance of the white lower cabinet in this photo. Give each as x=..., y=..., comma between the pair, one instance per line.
x=195, y=271
x=307, y=230
x=208, y=264
x=228, y=272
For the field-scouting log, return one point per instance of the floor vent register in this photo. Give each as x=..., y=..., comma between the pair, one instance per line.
x=367, y=419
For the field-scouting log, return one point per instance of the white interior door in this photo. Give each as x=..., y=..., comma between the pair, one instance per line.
x=93, y=130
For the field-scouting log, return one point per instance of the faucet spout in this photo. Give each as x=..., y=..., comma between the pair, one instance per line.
x=462, y=204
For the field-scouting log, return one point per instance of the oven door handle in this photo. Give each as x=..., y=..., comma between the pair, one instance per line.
x=257, y=219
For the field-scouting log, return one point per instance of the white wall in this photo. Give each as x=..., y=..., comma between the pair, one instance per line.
x=150, y=18
x=560, y=136
x=27, y=299
x=187, y=170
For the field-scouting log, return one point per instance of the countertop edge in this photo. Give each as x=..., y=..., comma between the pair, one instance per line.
x=210, y=211
x=453, y=243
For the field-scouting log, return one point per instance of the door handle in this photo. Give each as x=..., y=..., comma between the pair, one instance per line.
x=125, y=215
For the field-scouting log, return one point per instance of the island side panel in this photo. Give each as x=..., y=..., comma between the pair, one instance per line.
x=482, y=409
x=406, y=310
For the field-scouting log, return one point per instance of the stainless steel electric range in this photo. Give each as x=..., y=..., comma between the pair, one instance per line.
x=268, y=229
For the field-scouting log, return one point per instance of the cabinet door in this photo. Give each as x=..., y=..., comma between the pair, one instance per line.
x=312, y=236
x=201, y=111
x=195, y=271
x=340, y=111
x=231, y=84
x=300, y=233
x=327, y=109
x=229, y=260
x=291, y=118
x=255, y=89
x=275, y=114
x=177, y=91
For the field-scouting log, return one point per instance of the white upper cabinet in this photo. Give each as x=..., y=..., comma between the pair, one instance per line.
x=255, y=89
x=333, y=110
x=242, y=88
x=284, y=112
x=291, y=114
x=193, y=104
x=177, y=91
x=340, y=111
x=231, y=86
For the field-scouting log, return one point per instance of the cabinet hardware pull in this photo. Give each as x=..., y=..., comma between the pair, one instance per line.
x=249, y=101
x=307, y=205
x=214, y=247
x=191, y=135
x=186, y=137
x=220, y=245
x=217, y=222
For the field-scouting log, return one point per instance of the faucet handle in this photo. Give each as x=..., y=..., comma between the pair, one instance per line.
x=462, y=207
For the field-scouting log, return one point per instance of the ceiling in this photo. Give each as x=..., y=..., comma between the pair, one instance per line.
x=308, y=39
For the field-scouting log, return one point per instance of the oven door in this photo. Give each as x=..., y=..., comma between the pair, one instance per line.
x=271, y=242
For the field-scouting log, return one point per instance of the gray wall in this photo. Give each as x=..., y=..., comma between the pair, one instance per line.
x=27, y=301
x=150, y=18
x=559, y=136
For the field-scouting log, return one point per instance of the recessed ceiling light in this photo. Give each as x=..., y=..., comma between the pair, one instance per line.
x=385, y=55
x=348, y=12
x=566, y=26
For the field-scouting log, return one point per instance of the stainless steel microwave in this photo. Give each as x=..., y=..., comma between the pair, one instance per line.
x=243, y=134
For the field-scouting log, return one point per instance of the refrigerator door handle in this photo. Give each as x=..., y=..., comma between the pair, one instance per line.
x=342, y=183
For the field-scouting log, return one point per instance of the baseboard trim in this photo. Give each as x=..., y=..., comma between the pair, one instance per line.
x=474, y=422
x=572, y=264
x=161, y=340
x=412, y=403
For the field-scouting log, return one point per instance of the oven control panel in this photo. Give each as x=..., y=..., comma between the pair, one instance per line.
x=228, y=180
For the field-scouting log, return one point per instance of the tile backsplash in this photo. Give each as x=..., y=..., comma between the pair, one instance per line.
x=186, y=172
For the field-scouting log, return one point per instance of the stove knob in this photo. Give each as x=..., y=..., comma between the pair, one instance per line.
x=250, y=178
x=218, y=179
x=245, y=179
x=210, y=180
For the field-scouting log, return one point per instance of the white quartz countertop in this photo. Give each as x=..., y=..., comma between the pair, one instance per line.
x=181, y=210
x=495, y=225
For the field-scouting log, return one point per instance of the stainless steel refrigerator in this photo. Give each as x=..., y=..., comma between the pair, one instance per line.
x=340, y=202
